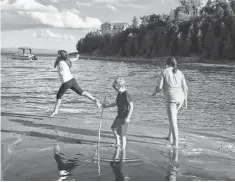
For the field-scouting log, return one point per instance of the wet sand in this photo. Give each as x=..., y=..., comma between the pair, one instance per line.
x=30, y=151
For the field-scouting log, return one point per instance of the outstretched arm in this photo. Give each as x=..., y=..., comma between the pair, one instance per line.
x=74, y=58
x=159, y=86
x=109, y=105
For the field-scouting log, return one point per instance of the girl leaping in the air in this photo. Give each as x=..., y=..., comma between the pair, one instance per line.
x=63, y=65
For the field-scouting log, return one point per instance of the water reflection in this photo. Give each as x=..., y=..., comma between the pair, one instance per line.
x=174, y=164
x=117, y=164
x=65, y=163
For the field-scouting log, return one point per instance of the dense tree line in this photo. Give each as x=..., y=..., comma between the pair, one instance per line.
x=189, y=29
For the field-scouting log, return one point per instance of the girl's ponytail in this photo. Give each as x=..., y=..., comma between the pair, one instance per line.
x=56, y=62
x=175, y=69
x=171, y=61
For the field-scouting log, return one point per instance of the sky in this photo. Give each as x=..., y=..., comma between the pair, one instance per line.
x=59, y=24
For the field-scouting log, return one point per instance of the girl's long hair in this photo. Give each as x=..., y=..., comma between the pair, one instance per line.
x=62, y=55
x=171, y=61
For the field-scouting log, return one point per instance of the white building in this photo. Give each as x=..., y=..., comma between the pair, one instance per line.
x=113, y=28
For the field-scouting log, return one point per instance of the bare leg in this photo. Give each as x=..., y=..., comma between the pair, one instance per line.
x=123, y=142
x=116, y=154
x=123, y=155
x=175, y=155
x=172, y=115
x=169, y=137
x=116, y=136
x=57, y=105
x=89, y=96
x=175, y=133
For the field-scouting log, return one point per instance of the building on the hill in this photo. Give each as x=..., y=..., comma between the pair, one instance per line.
x=113, y=28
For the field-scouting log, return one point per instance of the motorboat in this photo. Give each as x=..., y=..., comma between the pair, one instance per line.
x=24, y=54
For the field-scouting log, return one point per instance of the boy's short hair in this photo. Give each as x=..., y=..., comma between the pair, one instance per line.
x=119, y=82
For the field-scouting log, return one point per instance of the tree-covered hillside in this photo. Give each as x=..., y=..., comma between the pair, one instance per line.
x=208, y=32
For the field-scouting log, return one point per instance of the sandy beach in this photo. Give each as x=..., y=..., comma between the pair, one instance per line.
x=28, y=142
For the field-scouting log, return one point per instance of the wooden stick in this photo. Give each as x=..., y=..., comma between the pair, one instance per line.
x=98, y=143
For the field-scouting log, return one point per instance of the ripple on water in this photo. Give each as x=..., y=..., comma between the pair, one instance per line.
x=29, y=85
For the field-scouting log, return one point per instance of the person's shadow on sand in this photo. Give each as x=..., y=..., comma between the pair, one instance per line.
x=174, y=164
x=117, y=164
x=65, y=163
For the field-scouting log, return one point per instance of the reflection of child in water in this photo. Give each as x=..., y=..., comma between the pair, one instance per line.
x=65, y=165
x=117, y=165
x=174, y=165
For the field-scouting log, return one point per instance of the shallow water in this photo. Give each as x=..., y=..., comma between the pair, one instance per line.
x=31, y=87
x=80, y=163
x=28, y=90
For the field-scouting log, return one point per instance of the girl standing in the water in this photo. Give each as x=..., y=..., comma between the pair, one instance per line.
x=175, y=89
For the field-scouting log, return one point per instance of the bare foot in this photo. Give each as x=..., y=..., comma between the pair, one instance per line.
x=175, y=146
x=53, y=114
x=169, y=139
x=123, y=159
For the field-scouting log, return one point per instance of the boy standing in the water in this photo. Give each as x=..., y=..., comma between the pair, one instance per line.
x=125, y=107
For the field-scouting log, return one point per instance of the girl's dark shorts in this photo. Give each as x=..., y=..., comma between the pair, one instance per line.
x=120, y=126
x=71, y=84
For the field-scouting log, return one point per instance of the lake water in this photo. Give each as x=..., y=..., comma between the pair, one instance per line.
x=28, y=91
x=31, y=87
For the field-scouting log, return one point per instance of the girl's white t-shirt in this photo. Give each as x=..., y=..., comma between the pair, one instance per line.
x=173, y=80
x=64, y=71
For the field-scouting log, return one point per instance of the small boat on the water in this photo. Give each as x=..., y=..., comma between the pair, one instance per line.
x=24, y=54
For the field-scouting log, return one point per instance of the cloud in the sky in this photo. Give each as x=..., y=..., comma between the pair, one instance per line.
x=112, y=1
x=112, y=4
x=26, y=5
x=47, y=34
x=83, y=4
x=64, y=19
x=32, y=11
x=57, y=1
x=111, y=7
x=54, y=1
x=74, y=11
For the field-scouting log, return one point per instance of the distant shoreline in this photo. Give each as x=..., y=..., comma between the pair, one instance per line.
x=37, y=54
x=115, y=58
x=183, y=62
x=50, y=54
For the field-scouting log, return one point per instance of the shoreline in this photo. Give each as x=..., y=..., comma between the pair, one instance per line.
x=160, y=61
x=28, y=142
